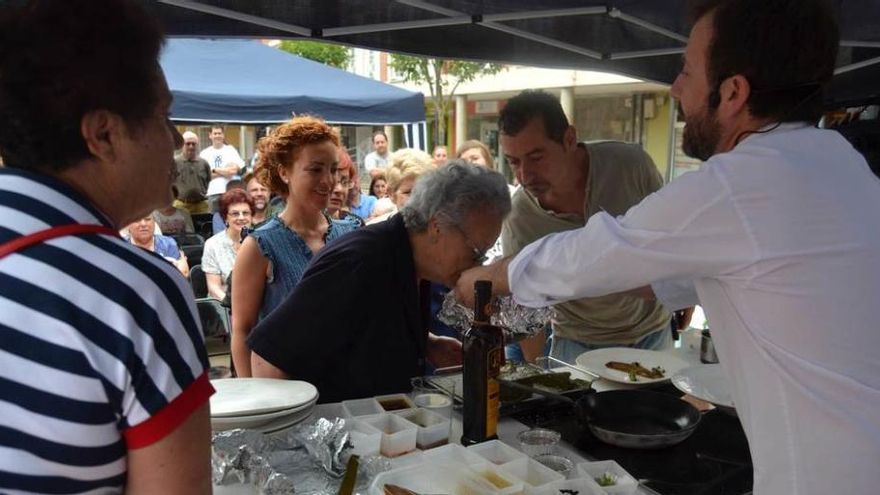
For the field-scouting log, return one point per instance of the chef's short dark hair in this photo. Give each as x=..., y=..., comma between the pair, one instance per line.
x=528, y=105
x=785, y=48
x=60, y=59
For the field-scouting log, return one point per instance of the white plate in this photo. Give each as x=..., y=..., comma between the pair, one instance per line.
x=594, y=361
x=249, y=396
x=705, y=382
x=281, y=422
x=254, y=420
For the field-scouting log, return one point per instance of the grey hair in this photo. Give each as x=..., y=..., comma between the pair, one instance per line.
x=453, y=191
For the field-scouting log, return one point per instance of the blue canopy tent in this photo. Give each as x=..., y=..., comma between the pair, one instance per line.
x=247, y=82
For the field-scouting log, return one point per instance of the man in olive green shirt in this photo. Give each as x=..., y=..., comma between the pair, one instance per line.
x=563, y=183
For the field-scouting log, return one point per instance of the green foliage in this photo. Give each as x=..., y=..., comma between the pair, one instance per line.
x=327, y=53
x=442, y=76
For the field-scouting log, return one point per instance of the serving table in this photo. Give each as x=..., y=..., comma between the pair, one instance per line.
x=509, y=427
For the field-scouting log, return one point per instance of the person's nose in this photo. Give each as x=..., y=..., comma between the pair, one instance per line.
x=675, y=91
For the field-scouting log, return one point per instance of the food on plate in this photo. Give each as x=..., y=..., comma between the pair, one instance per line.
x=607, y=479
x=635, y=370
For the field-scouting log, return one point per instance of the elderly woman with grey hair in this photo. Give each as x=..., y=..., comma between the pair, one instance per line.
x=330, y=332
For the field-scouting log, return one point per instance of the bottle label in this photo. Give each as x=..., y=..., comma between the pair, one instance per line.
x=493, y=391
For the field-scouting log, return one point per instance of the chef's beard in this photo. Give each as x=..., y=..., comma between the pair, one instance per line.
x=702, y=132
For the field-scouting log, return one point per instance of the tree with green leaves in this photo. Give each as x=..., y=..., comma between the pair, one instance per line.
x=442, y=76
x=327, y=53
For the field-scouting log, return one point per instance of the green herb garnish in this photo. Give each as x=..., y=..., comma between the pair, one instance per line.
x=607, y=479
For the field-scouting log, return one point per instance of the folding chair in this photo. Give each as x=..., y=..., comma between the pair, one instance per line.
x=198, y=281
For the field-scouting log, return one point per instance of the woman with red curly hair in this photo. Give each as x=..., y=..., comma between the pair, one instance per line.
x=298, y=160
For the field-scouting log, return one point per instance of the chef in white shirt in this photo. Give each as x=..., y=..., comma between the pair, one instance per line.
x=776, y=236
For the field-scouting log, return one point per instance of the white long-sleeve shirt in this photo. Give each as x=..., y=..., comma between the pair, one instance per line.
x=779, y=240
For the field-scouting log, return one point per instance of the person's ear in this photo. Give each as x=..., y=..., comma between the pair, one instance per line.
x=570, y=137
x=102, y=132
x=434, y=231
x=734, y=93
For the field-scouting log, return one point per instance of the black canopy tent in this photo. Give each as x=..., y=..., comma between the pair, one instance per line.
x=639, y=38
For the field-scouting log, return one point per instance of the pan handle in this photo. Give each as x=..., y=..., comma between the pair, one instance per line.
x=548, y=359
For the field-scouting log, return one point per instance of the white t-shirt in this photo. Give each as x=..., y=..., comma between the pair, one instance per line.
x=375, y=160
x=219, y=158
x=779, y=241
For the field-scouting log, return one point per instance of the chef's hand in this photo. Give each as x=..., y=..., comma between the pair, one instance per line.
x=443, y=352
x=495, y=273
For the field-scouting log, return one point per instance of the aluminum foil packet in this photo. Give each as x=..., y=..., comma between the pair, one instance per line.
x=308, y=459
x=517, y=321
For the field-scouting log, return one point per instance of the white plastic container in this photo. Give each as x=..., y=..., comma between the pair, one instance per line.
x=394, y=402
x=398, y=434
x=435, y=401
x=421, y=478
x=452, y=453
x=625, y=483
x=365, y=438
x=531, y=472
x=583, y=486
x=361, y=407
x=414, y=458
x=433, y=428
x=496, y=452
x=497, y=481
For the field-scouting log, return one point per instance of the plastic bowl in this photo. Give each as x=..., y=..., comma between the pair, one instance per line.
x=558, y=463
x=538, y=441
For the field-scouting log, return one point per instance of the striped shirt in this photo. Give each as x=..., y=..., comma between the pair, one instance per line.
x=101, y=348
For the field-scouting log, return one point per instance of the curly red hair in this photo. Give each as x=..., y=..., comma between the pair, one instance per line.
x=279, y=149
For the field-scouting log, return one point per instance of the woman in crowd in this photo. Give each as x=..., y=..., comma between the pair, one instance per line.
x=476, y=152
x=347, y=179
x=237, y=208
x=142, y=233
x=454, y=215
x=404, y=167
x=361, y=204
x=379, y=187
x=297, y=160
x=173, y=220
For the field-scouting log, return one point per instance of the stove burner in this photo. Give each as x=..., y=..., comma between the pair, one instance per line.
x=714, y=460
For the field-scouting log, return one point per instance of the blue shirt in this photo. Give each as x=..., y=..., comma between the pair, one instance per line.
x=288, y=256
x=363, y=210
x=97, y=338
x=166, y=247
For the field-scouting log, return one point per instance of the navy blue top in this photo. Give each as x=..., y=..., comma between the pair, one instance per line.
x=289, y=255
x=353, y=326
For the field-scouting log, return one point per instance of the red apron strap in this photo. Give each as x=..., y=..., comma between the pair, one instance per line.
x=26, y=241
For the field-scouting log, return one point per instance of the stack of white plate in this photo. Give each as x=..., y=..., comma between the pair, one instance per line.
x=261, y=404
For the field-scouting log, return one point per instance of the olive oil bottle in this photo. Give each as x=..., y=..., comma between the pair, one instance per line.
x=483, y=349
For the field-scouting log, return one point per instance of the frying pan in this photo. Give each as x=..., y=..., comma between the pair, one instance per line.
x=637, y=419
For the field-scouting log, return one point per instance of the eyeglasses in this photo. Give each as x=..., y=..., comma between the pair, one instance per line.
x=245, y=213
x=344, y=182
x=479, y=255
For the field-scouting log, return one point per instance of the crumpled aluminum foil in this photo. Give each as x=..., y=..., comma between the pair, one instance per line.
x=308, y=459
x=518, y=322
